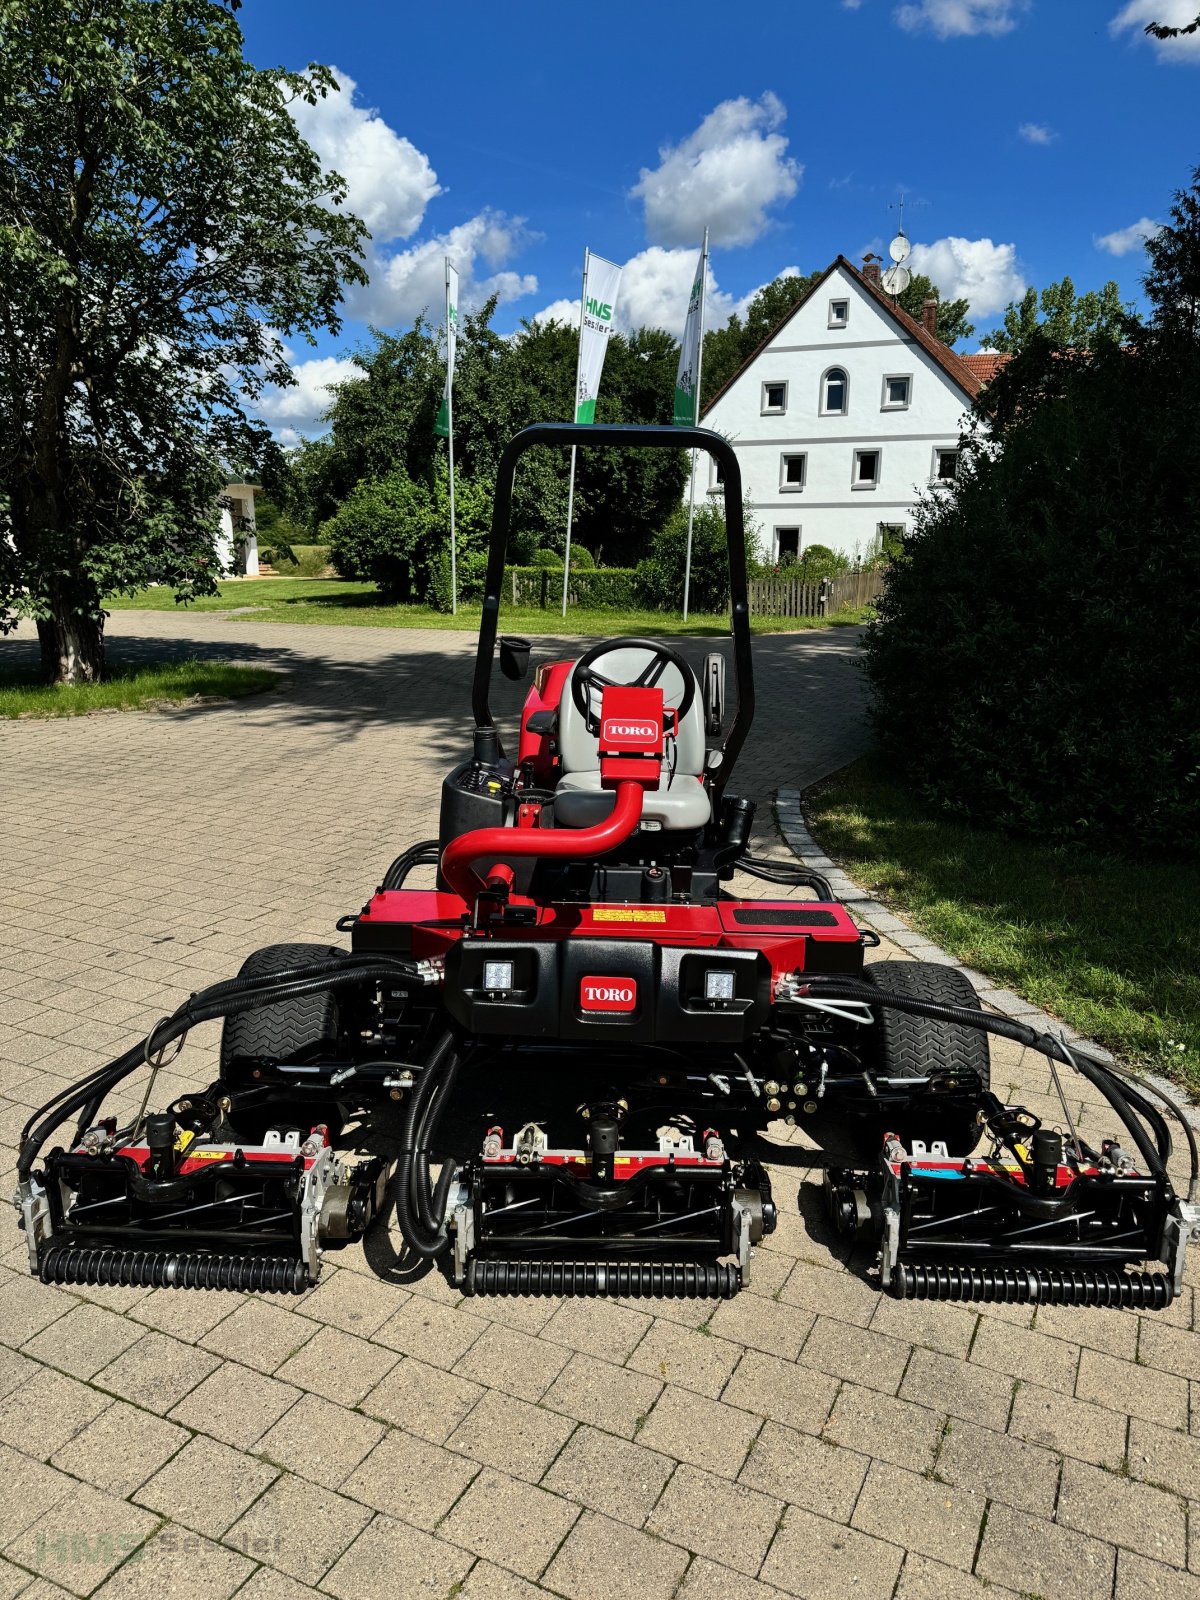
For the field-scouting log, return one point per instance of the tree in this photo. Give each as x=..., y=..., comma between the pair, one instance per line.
x=382, y=421
x=162, y=225
x=1163, y=30
x=1037, y=663
x=1067, y=321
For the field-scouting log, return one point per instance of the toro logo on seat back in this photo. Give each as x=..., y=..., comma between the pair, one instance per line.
x=615, y=729
x=607, y=994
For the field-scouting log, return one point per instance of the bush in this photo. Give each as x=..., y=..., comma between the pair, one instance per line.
x=297, y=560
x=395, y=532
x=1036, y=659
x=549, y=559
x=818, y=561
x=659, y=580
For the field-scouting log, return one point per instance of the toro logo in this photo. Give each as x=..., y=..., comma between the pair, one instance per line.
x=607, y=994
x=619, y=728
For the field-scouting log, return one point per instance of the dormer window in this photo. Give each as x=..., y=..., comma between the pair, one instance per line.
x=774, y=399
x=839, y=313
x=835, y=393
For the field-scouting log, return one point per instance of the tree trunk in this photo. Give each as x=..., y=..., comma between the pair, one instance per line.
x=72, y=647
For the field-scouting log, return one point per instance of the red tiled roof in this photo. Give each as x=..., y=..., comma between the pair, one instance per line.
x=987, y=363
x=955, y=367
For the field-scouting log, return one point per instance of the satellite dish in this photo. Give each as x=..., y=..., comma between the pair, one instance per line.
x=899, y=248
x=896, y=279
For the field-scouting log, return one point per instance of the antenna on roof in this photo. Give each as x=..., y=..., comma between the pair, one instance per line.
x=898, y=277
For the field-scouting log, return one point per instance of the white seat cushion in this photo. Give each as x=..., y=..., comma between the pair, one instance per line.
x=580, y=802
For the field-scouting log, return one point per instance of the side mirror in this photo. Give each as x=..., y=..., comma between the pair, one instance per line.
x=514, y=656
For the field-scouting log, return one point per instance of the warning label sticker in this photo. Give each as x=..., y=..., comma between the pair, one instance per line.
x=627, y=914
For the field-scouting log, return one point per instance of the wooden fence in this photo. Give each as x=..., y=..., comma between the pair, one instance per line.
x=790, y=597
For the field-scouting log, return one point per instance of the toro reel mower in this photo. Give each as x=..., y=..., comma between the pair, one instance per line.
x=581, y=936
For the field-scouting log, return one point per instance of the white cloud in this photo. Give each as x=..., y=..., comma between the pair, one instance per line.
x=976, y=270
x=559, y=311
x=724, y=176
x=296, y=412
x=953, y=19
x=390, y=184
x=407, y=282
x=1036, y=133
x=389, y=181
x=1174, y=13
x=1123, y=240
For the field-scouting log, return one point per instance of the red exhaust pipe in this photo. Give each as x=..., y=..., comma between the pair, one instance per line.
x=563, y=843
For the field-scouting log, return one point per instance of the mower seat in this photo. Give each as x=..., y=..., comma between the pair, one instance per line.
x=681, y=803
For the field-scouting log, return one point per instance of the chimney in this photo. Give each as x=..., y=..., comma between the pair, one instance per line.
x=929, y=314
x=871, y=268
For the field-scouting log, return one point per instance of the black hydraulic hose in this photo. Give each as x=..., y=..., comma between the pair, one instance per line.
x=420, y=1212
x=221, y=1000
x=1177, y=1112
x=788, y=874
x=1005, y=1027
x=424, y=854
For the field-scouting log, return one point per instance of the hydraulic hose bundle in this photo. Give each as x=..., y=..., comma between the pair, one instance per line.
x=225, y=999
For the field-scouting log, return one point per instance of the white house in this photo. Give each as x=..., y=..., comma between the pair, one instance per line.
x=841, y=417
x=237, y=540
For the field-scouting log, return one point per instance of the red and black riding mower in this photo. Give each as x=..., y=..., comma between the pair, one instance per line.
x=580, y=939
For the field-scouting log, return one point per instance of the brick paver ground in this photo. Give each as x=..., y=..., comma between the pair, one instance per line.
x=809, y=1438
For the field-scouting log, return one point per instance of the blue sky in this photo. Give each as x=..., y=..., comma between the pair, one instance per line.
x=1033, y=138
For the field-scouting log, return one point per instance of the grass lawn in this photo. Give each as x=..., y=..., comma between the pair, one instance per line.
x=22, y=694
x=1107, y=944
x=333, y=600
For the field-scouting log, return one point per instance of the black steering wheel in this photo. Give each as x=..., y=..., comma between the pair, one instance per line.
x=586, y=678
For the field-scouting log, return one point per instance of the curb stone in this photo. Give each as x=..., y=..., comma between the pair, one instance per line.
x=789, y=813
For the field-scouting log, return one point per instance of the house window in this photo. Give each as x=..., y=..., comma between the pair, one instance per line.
x=888, y=536
x=866, y=469
x=774, y=399
x=897, y=391
x=792, y=471
x=839, y=313
x=945, y=466
x=835, y=392
x=716, y=476
x=787, y=546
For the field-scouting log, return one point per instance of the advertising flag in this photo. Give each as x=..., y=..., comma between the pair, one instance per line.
x=442, y=426
x=687, y=379
x=601, y=282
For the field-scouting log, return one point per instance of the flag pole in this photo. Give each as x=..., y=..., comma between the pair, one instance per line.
x=574, y=414
x=450, y=448
x=687, y=565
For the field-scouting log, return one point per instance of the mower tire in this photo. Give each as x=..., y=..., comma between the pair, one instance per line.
x=911, y=1046
x=287, y=1030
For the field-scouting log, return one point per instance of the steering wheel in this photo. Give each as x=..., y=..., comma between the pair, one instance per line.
x=586, y=679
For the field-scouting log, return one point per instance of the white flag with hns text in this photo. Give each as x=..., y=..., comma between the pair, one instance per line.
x=601, y=283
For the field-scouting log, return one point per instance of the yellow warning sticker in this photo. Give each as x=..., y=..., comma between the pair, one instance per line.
x=627, y=914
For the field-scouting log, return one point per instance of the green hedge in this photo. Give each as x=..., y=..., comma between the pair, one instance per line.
x=595, y=588
x=296, y=560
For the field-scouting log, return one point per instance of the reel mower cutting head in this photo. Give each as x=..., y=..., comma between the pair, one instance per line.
x=581, y=948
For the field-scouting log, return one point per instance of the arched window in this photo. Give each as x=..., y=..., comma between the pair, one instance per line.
x=835, y=393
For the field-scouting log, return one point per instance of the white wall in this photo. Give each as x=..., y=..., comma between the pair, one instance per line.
x=870, y=345
x=241, y=507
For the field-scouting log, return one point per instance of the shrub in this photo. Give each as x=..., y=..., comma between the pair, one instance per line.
x=599, y=588
x=297, y=560
x=546, y=558
x=395, y=532
x=659, y=580
x=818, y=561
x=1036, y=659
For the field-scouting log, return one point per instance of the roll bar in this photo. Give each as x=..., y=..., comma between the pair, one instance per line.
x=657, y=437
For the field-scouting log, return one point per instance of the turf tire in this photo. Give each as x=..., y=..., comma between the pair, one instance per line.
x=909, y=1046
x=288, y=1030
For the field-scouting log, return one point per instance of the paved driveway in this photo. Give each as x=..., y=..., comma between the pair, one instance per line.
x=372, y=1438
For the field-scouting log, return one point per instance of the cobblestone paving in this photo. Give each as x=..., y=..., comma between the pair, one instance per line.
x=810, y=1438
